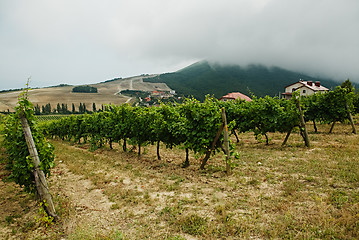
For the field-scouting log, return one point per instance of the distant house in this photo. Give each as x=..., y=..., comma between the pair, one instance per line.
x=163, y=94
x=157, y=93
x=305, y=87
x=234, y=96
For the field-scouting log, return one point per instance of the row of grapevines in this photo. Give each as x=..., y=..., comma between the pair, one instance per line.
x=192, y=125
x=329, y=107
x=263, y=115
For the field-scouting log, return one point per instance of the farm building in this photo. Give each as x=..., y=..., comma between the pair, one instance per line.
x=305, y=87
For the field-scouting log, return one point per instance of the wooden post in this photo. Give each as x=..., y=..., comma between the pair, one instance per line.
x=208, y=154
x=40, y=180
x=303, y=129
x=350, y=118
x=226, y=142
x=158, y=150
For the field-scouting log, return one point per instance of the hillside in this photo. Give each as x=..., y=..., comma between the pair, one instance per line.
x=107, y=94
x=202, y=78
x=196, y=80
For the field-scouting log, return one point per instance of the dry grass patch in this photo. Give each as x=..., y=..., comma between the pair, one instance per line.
x=275, y=192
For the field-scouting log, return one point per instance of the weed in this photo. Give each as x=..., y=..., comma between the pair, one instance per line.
x=253, y=182
x=128, y=166
x=193, y=224
x=9, y=219
x=291, y=186
x=44, y=219
x=170, y=214
x=88, y=233
x=339, y=198
x=176, y=238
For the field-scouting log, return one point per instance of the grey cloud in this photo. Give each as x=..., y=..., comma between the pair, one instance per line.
x=89, y=41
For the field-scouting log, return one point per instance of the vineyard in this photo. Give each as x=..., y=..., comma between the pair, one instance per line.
x=194, y=125
x=279, y=188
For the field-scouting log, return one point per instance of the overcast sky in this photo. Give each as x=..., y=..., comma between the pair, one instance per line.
x=88, y=41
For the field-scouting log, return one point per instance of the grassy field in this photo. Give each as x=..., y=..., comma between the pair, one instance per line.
x=107, y=94
x=275, y=192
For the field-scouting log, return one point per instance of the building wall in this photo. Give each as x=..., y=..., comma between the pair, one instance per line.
x=295, y=85
x=305, y=91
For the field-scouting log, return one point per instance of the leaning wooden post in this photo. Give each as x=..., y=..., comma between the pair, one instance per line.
x=350, y=118
x=226, y=142
x=40, y=180
x=303, y=128
x=208, y=154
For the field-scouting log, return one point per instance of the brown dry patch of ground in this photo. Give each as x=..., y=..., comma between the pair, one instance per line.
x=275, y=192
x=107, y=94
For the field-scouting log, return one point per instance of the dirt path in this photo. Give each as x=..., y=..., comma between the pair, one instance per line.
x=92, y=209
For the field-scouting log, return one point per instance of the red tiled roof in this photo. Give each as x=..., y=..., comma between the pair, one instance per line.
x=236, y=95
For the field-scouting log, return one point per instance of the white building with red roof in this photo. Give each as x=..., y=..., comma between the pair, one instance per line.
x=234, y=96
x=305, y=87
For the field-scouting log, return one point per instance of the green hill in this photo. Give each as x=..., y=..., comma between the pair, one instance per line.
x=202, y=78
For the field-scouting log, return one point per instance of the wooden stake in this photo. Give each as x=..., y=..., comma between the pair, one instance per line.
x=158, y=150
x=226, y=142
x=208, y=154
x=40, y=180
x=350, y=118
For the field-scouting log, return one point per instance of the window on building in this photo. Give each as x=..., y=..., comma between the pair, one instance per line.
x=303, y=91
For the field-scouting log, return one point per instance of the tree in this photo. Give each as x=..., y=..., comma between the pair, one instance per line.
x=94, y=107
x=64, y=108
x=48, y=108
x=81, y=109
x=58, y=108
x=348, y=86
x=37, y=109
x=73, y=108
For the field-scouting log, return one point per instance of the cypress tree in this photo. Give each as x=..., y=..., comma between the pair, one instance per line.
x=58, y=108
x=81, y=108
